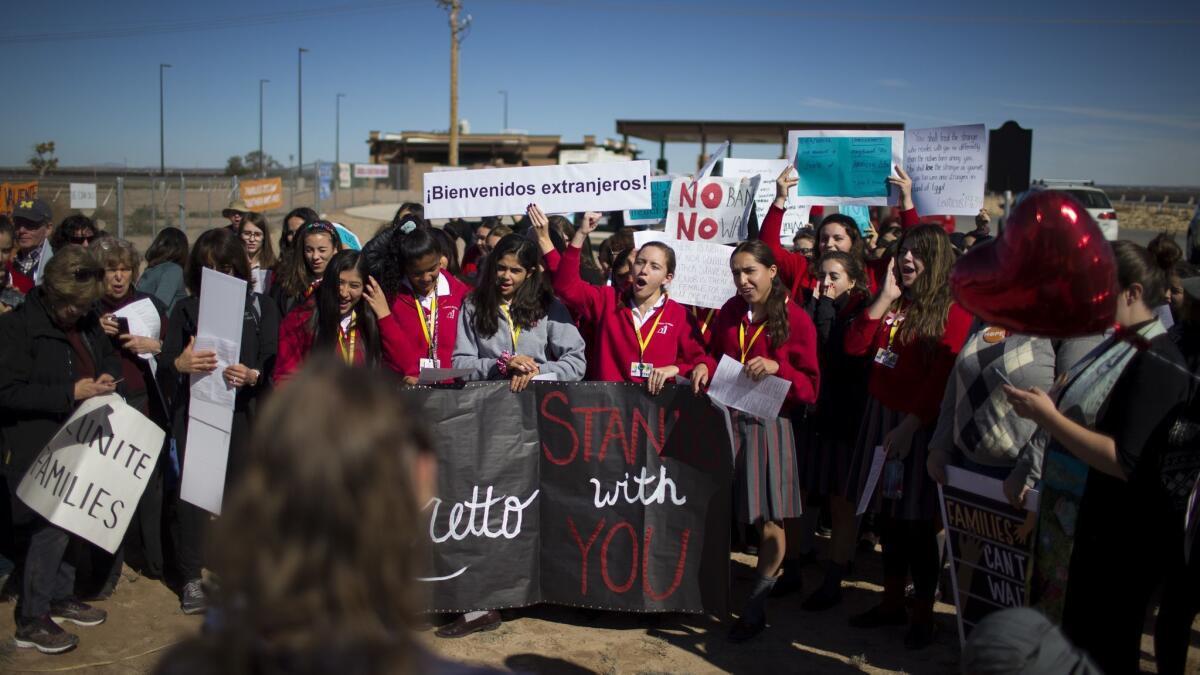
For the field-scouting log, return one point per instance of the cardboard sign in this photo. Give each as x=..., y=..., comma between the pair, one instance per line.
x=713, y=209
x=11, y=193
x=601, y=496
x=702, y=277
x=602, y=186
x=660, y=193
x=990, y=544
x=370, y=170
x=795, y=215
x=948, y=167
x=83, y=195
x=90, y=476
x=344, y=181
x=263, y=194
x=845, y=166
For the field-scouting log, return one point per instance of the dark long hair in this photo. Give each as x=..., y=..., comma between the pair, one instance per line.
x=266, y=254
x=925, y=319
x=532, y=300
x=777, y=312
x=296, y=278
x=403, y=251
x=853, y=266
x=303, y=212
x=218, y=248
x=858, y=248
x=171, y=245
x=326, y=320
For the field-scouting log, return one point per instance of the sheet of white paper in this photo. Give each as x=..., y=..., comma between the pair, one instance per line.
x=795, y=215
x=546, y=377
x=948, y=167
x=897, y=137
x=877, y=462
x=204, y=464
x=262, y=280
x=211, y=387
x=222, y=305
x=732, y=387
x=715, y=157
x=702, y=277
x=143, y=321
x=435, y=375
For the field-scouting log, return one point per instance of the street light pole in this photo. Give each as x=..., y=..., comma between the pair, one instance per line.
x=504, y=93
x=337, y=146
x=162, y=153
x=300, y=109
x=262, y=171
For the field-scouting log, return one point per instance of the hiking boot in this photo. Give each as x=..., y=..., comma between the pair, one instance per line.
x=192, y=600
x=45, y=636
x=78, y=613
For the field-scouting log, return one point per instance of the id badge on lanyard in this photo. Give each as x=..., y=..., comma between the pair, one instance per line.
x=885, y=356
x=641, y=368
x=430, y=329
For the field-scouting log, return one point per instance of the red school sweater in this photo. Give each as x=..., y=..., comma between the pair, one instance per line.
x=797, y=356
x=296, y=343
x=793, y=267
x=403, y=341
x=918, y=382
x=707, y=320
x=612, y=346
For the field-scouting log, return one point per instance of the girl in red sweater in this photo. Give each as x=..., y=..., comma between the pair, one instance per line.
x=770, y=335
x=914, y=331
x=422, y=326
x=634, y=335
x=316, y=243
x=837, y=232
x=341, y=320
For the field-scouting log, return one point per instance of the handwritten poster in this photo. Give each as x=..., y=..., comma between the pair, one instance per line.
x=948, y=166
x=660, y=192
x=716, y=210
x=846, y=166
x=795, y=214
x=702, y=277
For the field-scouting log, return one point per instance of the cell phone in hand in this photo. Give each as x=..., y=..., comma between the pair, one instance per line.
x=122, y=325
x=1004, y=378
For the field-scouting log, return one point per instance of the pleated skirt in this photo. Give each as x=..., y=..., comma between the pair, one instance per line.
x=766, y=480
x=824, y=459
x=919, y=498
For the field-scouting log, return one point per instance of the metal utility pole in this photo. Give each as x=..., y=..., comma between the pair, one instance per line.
x=504, y=93
x=162, y=153
x=262, y=171
x=337, y=148
x=300, y=108
x=457, y=30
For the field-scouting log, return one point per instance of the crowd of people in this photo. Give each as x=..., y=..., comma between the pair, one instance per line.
x=862, y=327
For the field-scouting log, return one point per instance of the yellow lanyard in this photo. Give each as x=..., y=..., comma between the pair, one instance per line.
x=643, y=344
x=350, y=336
x=897, y=319
x=429, y=327
x=513, y=329
x=742, y=338
x=707, y=319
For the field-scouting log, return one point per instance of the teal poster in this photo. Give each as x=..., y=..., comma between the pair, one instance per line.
x=844, y=166
x=660, y=192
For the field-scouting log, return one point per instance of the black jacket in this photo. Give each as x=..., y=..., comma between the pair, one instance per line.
x=842, y=399
x=38, y=375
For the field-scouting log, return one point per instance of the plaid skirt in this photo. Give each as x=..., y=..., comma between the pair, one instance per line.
x=766, y=483
x=919, y=498
x=824, y=459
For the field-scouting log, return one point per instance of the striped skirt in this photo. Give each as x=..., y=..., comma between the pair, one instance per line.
x=766, y=483
x=919, y=501
x=824, y=458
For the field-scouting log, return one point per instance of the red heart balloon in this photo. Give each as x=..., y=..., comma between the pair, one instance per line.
x=1051, y=272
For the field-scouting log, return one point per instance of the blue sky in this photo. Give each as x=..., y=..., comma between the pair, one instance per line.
x=1108, y=87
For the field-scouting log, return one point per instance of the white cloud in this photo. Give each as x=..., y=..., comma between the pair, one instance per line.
x=1173, y=121
x=893, y=114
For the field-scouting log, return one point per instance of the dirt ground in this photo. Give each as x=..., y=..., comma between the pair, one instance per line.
x=144, y=622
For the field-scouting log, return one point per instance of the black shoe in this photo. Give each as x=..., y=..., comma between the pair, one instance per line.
x=825, y=597
x=192, y=600
x=867, y=542
x=791, y=581
x=460, y=627
x=920, y=635
x=78, y=613
x=745, y=629
x=45, y=636
x=879, y=616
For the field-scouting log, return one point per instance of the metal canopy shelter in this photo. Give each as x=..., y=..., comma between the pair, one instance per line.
x=702, y=131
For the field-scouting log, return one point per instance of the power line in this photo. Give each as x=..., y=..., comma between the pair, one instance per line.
x=192, y=25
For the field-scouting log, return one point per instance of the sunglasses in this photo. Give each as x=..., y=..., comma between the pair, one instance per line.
x=86, y=239
x=22, y=224
x=88, y=274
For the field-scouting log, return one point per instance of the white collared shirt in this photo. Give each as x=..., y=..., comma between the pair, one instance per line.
x=443, y=288
x=638, y=319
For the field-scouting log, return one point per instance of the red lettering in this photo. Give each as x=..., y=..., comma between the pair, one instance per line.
x=545, y=407
x=640, y=420
x=711, y=196
x=615, y=429
x=708, y=228
x=680, y=562
x=587, y=428
x=583, y=550
x=686, y=230
x=633, y=562
x=684, y=198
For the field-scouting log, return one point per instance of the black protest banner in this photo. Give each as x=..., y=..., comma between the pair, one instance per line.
x=991, y=546
x=588, y=494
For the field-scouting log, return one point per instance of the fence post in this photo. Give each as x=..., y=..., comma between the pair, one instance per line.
x=120, y=207
x=208, y=193
x=182, y=204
